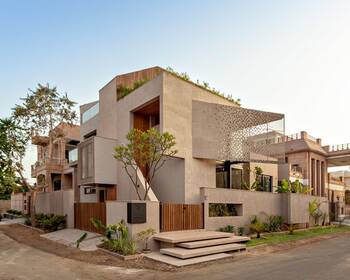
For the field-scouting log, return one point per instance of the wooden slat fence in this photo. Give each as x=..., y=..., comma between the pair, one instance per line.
x=83, y=212
x=175, y=217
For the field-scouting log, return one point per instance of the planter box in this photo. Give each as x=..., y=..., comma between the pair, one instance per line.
x=121, y=257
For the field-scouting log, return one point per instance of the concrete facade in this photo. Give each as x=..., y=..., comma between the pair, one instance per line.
x=292, y=207
x=180, y=180
x=58, y=203
x=117, y=211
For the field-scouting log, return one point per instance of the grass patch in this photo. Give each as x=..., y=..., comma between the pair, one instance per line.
x=275, y=238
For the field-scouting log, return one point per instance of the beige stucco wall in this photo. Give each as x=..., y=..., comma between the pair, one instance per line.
x=58, y=203
x=298, y=205
x=117, y=211
x=254, y=203
x=293, y=207
x=148, y=92
x=17, y=201
x=91, y=124
x=169, y=182
x=269, y=169
x=5, y=205
x=105, y=165
x=177, y=119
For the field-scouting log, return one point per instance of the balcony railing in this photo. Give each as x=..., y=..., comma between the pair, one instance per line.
x=340, y=147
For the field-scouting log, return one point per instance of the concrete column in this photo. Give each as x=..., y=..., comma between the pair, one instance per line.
x=318, y=177
x=323, y=178
x=313, y=176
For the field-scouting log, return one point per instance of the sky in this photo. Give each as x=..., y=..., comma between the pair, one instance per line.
x=290, y=57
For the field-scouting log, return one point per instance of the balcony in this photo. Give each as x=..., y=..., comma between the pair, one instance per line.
x=47, y=163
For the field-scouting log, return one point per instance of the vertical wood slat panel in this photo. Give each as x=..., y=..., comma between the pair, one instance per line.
x=83, y=212
x=181, y=216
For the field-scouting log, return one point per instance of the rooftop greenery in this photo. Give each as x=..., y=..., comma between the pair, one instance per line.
x=123, y=91
x=204, y=85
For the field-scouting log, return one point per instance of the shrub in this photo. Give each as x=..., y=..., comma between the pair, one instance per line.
x=228, y=228
x=50, y=222
x=291, y=228
x=144, y=236
x=14, y=212
x=275, y=223
x=256, y=226
x=241, y=231
x=118, y=239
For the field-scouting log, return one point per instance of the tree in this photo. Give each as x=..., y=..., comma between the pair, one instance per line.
x=13, y=141
x=43, y=109
x=146, y=150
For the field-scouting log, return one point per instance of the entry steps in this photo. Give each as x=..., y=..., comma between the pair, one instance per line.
x=213, y=242
x=183, y=253
x=194, y=246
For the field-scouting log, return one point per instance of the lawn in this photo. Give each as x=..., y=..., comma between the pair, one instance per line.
x=275, y=238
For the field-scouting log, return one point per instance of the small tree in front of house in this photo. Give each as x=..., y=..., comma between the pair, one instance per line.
x=147, y=151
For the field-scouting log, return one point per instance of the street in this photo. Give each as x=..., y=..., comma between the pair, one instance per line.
x=329, y=259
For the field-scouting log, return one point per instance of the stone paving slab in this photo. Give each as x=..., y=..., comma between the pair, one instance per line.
x=189, y=235
x=11, y=222
x=213, y=242
x=179, y=262
x=183, y=253
x=69, y=237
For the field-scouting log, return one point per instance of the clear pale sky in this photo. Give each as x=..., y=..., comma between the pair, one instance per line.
x=291, y=57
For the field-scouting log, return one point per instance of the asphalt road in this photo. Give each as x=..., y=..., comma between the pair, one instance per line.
x=329, y=259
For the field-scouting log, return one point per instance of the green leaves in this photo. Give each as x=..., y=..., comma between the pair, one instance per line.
x=43, y=109
x=13, y=140
x=148, y=150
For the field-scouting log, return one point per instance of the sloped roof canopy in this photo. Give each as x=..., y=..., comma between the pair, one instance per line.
x=222, y=132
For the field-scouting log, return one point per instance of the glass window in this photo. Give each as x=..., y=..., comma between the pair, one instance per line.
x=236, y=178
x=90, y=113
x=87, y=161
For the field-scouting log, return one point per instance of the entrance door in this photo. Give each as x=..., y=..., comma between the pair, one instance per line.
x=181, y=216
x=102, y=196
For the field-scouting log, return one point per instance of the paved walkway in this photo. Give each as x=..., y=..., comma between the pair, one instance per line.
x=13, y=221
x=329, y=259
x=69, y=237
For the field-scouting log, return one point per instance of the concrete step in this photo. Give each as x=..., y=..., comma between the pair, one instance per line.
x=183, y=253
x=183, y=262
x=213, y=242
x=189, y=235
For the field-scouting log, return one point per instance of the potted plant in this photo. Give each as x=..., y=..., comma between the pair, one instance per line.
x=144, y=236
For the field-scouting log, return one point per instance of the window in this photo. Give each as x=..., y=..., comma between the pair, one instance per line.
x=90, y=190
x=87, y=161
x=225, y=209
x=264, y=183
x=236, y=178
x=90, y=113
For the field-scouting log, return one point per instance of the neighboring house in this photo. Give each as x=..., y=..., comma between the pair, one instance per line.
x=55, y=168
x=305, y=160
x=339, y=186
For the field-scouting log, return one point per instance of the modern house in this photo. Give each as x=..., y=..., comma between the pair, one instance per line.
x=225, y=171
x=219, y=143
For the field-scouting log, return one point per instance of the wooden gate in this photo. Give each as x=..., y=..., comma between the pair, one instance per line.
x=181, y=216
x=83, y=212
